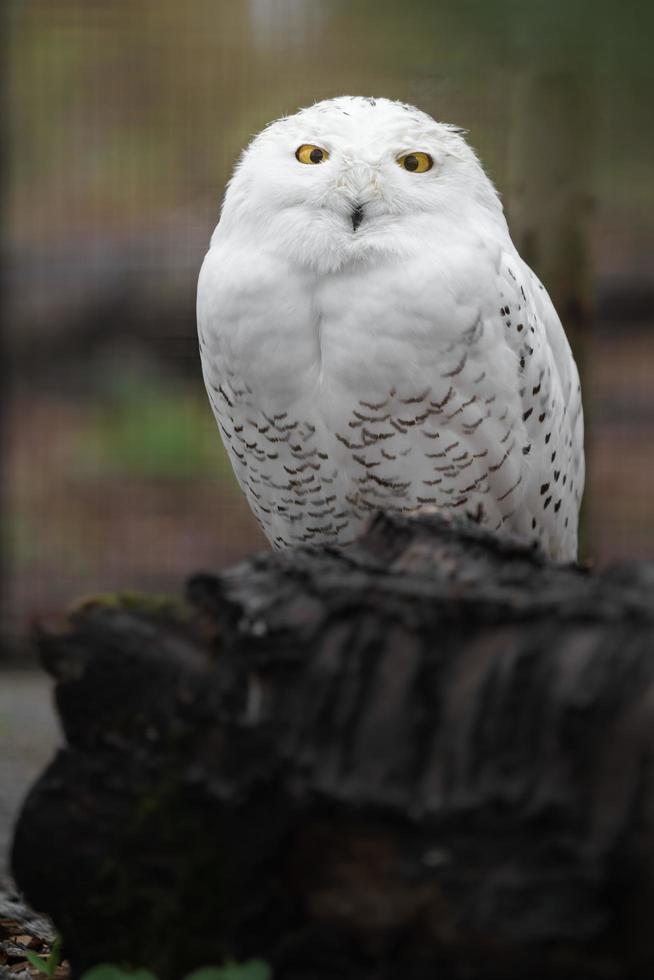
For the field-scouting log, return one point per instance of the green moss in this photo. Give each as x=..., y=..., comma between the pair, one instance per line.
x=159, y=606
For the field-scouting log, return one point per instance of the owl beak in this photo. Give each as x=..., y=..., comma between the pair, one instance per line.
x=357, y=216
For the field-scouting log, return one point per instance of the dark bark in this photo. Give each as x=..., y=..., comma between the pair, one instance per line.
x=429, y=756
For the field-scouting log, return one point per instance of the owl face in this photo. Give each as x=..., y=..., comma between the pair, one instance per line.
x=353, y=180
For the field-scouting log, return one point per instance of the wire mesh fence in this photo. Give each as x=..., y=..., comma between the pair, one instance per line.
x=124, y=120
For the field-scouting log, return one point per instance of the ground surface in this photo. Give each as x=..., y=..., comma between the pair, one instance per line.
x=29, y=736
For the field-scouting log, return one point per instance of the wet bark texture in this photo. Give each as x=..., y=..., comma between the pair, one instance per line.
x=432, y=755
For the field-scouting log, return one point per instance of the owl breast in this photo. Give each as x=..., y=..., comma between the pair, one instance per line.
x=386, y=389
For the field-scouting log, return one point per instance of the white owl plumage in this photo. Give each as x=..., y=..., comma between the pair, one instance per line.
x=371, y=339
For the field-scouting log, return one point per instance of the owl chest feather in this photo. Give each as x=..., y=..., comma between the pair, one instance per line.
x=341, y=395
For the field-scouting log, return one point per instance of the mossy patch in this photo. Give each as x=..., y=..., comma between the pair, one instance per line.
x=158, y=606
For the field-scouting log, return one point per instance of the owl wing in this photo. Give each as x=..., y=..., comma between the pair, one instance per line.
x=552, y=410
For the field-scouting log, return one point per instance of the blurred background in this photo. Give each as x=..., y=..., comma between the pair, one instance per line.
x=123, y=120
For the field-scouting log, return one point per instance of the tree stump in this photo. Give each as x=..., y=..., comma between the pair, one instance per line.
x=431, y=755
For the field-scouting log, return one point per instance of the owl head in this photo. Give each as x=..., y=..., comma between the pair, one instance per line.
x=356, y=180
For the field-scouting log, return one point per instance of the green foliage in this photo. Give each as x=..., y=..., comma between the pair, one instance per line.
x=105, y=971
x=48, y=965
x=253, y=970
x=152, y=431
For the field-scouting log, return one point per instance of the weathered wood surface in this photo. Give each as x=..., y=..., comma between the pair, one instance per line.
x=432, y=755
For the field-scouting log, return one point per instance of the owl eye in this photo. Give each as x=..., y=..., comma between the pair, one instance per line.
x=308, y=153
x=416, y=162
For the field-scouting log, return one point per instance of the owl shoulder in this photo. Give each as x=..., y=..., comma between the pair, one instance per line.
x=235, y=277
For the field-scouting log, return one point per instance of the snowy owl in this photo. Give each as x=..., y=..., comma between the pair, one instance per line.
x=371, y=339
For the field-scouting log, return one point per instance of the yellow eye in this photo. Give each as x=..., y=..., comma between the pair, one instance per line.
x=308, y=153
x=416, y=162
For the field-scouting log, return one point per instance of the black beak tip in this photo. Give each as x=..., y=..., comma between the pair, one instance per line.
x=357, y=216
